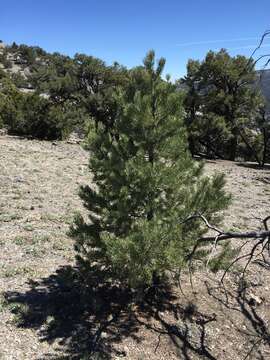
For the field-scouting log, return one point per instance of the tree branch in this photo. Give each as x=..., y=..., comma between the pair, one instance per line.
x=261, y=238
x=225, y=235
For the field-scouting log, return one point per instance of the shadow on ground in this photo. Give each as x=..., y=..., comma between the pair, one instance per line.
x=251, y=165
x=89, y=323
x=246, y=316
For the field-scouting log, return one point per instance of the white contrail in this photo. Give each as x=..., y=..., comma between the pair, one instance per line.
x=245, y=47
x=216, y=41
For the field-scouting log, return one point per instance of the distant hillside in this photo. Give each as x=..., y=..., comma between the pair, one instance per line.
x=20, y=62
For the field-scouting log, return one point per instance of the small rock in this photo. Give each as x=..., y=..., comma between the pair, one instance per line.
x=3, y=132
x=18, y=179
x=110, y=317
x=255, y=300
x=122, y=354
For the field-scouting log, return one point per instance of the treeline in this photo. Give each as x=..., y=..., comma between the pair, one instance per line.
x=53, y=95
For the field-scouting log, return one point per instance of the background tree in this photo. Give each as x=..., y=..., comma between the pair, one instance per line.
x=96, y=84
x=259, y=134
x=145, y=184
x=84, y=83
x=226, y=100
x=30, y=114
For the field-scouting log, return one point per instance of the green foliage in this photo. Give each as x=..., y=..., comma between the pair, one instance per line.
x=84, y=83
x=19, y=80
x=224, y=258
x=24, y=55
x=224, y=112
x=73, y=91
x=96, y=84
x=4, y=60
x=10, y=100
x=145, y=184
x=28, y=114
x=259, y=134
x=221, y=103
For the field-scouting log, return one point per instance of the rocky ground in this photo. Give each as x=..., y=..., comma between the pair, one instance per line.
x=41, y=313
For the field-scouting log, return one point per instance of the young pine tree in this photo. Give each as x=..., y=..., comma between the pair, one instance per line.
x=145, y=184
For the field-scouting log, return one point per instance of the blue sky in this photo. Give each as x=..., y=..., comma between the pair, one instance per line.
x=124, y=30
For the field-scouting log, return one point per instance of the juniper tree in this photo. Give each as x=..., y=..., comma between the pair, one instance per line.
x=144, y=184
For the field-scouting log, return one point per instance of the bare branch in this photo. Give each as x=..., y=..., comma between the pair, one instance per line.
x=265, y=222
x=202, y=217
x=236, y=235
x=261, y=237
x=225, y=235
x=266, y=33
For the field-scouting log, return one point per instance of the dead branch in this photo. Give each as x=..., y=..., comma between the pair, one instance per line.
x=225, y=235
x=265, y=34
x=260, y=238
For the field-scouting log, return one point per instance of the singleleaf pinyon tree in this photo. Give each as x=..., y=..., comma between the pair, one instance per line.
x=221, y=103
x=145, y=184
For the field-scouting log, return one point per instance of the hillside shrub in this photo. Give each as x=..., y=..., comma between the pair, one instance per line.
x=28, y=114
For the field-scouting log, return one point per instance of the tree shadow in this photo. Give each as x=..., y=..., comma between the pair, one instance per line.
x=89, y=323
x=187, y=335
x=241, y=301
x=252, y=165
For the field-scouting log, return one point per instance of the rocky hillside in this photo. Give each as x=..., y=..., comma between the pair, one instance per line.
x=20, y=62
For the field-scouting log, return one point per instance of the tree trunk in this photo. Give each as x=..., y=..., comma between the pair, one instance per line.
x=233, y=146
x=256, y=157
x=191, y=146
x=265, y=141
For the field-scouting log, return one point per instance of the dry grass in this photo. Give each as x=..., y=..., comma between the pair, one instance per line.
x=39, y=195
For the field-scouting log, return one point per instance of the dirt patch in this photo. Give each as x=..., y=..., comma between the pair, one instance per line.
x=45, y=317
